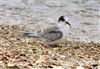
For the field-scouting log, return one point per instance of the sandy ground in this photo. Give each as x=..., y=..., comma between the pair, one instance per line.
x=19, y=52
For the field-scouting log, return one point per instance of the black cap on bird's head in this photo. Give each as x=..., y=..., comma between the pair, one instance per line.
x=64, y=19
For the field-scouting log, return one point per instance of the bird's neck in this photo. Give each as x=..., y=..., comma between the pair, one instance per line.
x=62, y=25
x=64, y=28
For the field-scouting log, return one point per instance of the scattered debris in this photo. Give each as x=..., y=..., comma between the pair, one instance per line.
x=19, y=52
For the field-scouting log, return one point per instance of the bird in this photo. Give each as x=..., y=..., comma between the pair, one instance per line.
x=52, y=35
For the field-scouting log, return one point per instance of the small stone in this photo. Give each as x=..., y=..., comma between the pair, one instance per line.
x=79, y=67
x=76, y=47
x=10, y=64
x=95, y=65
x=50, y=66
x=58, y=67
x=54, y=58
x=4, y=58
x=22, y=54
x=30, y=64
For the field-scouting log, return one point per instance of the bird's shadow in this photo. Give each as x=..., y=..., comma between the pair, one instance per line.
x=52, y=46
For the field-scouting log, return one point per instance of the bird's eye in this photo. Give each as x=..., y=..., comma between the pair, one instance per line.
x=62, y=20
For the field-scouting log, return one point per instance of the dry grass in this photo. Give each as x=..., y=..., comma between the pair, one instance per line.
x=19, y=52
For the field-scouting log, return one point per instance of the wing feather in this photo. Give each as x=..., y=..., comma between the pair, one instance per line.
x=52, y=35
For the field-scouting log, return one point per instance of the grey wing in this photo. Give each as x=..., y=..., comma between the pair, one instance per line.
x=52, y=35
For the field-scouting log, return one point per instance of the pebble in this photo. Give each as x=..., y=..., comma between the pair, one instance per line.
x=80, y=67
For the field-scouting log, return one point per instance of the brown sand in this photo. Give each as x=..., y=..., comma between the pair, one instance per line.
x=19, y=52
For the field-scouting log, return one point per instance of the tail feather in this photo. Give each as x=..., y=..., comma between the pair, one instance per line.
x=30, y=34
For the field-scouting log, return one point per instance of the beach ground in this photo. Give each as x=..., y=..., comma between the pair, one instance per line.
x=20, y=52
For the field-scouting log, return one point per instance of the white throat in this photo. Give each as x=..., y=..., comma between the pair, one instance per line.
x=62, y=24
x=64, y=27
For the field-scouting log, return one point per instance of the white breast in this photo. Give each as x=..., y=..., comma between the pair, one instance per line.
x=65, y=30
